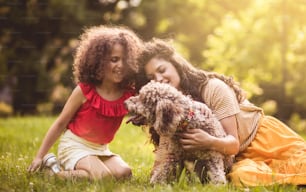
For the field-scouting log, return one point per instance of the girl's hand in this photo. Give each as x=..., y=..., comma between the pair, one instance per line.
x=195, y=139
x=35, y=166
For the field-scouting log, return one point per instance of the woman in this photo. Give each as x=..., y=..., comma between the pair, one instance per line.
x=266, y=150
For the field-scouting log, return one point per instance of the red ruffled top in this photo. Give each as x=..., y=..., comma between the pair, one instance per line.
x=98, y=119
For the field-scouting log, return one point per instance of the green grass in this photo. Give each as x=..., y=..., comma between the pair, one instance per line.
x=20, y=138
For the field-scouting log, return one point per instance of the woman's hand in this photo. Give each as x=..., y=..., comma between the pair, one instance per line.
x=35, y=165
x=195, y=139
x=198, y=139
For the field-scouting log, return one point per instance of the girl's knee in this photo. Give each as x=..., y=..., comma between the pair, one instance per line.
x=119, y=173
x=97, y=174
x=118, y=167
x=123, y=173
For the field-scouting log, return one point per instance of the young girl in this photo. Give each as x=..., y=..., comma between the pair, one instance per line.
x=267, y=151
x=104, y=65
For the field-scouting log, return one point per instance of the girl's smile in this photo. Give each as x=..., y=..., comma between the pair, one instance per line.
x=114, y=70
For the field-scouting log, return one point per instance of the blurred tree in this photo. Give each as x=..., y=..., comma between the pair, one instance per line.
x=187, y=22
x=37, y=39
x=259, y=42
x=264, y=48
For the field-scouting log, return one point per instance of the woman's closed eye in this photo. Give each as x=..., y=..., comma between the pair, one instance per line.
x=161, y=70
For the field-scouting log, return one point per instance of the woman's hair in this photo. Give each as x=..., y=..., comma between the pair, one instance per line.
x=192, y=80
x=94, y=51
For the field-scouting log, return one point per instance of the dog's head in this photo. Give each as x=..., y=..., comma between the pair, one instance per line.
x=159, y=104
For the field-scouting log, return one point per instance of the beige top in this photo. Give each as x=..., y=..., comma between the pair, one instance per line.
x=222, y=100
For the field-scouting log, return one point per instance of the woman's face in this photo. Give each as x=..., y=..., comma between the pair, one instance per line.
x=162, y=71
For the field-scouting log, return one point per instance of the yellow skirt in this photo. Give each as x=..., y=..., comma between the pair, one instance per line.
x=277, y=155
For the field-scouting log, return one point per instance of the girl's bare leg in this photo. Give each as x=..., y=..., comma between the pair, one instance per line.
x=88, y=167
x=94, y=167
x=73, y=174
x=118, y=168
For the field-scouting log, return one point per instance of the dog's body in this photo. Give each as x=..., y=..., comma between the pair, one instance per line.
x=169, y=111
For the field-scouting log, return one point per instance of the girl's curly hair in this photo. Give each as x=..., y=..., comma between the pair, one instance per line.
x=94, y=51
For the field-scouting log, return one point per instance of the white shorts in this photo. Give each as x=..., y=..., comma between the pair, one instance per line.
x=72, y=148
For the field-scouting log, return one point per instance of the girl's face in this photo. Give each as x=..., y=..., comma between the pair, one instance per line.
x=162, y=71
x=114, y=71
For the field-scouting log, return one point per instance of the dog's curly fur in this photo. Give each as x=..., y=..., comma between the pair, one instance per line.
x=168, y=111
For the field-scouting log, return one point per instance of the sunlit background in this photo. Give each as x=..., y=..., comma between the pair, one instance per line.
x=261, y=43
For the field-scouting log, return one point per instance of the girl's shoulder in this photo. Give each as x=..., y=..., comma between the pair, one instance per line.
x=130, y=92
x=103, y=106
x=89, y=91
x=86, y=87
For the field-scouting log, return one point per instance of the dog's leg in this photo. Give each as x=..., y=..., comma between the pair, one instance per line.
x=215, y=169
x=166, y=163
x=201, y=170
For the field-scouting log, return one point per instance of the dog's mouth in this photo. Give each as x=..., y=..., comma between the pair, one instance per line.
x=136, y=119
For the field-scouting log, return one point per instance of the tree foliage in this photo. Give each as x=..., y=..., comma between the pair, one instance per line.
x=261, y=43
x=37, y=42
x=263, y=47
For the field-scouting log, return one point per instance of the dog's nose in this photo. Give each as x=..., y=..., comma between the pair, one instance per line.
x=125, y=103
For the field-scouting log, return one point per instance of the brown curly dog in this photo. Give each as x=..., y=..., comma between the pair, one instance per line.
x=168, y=111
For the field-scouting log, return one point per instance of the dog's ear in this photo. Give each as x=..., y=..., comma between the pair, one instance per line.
x=165, y=114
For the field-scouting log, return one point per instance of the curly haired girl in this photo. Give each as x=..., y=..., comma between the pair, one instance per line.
x=104, y=68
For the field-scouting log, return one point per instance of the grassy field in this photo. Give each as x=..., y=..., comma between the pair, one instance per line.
x=20, y=138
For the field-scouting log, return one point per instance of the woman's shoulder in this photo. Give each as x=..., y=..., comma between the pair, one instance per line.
x=216, y=86
x=215, y=82
x=217, y=90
